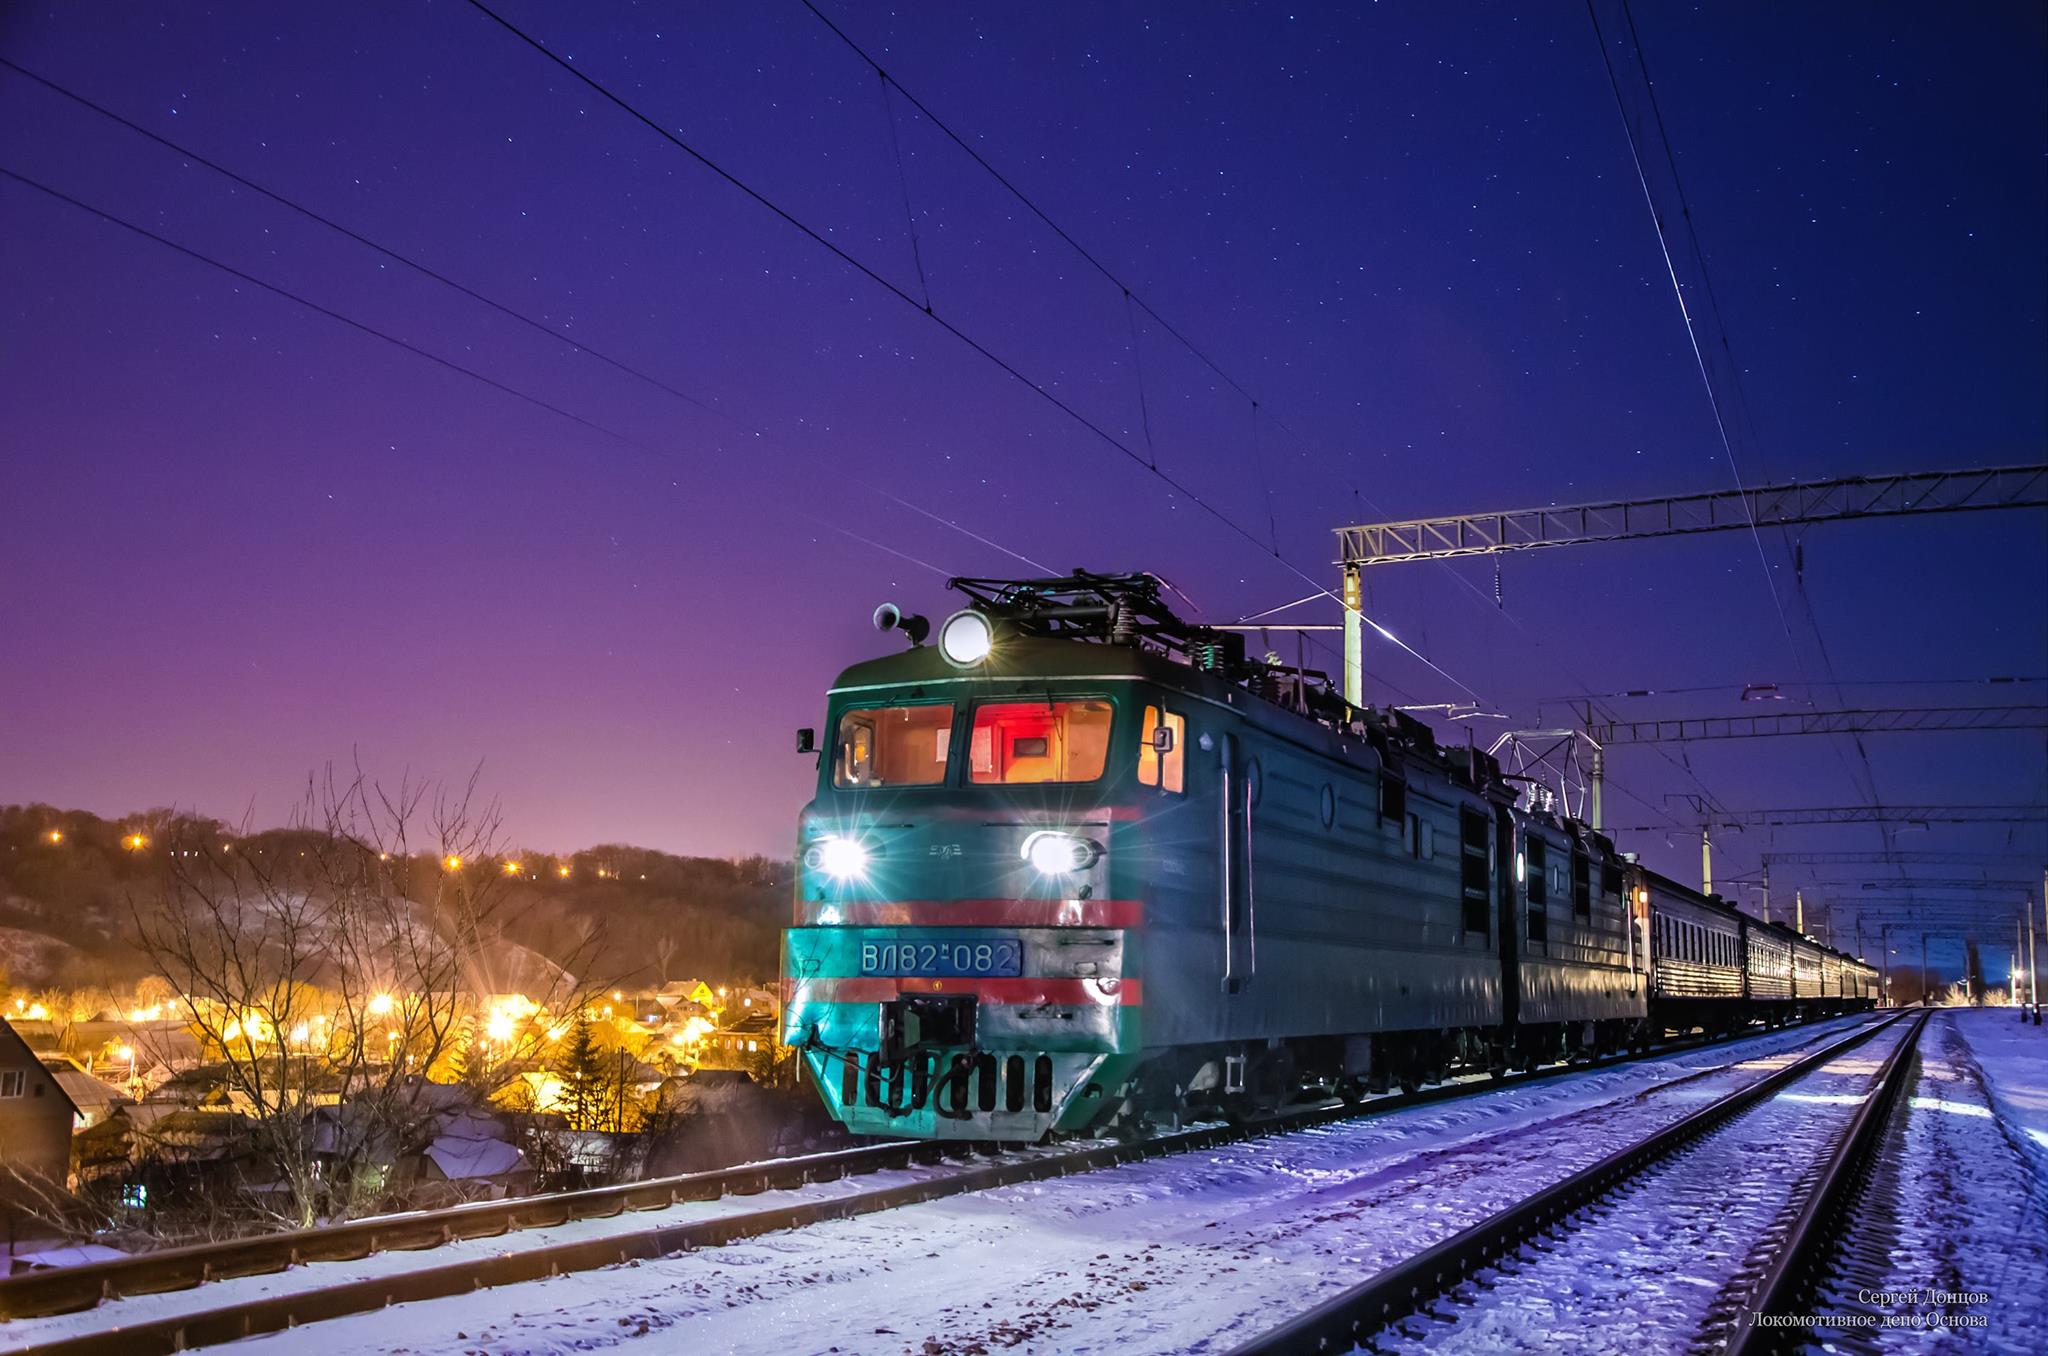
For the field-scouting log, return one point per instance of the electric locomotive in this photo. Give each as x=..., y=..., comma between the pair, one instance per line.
x=1081, y=862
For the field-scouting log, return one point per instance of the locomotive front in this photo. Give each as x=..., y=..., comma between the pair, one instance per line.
x=964, y=960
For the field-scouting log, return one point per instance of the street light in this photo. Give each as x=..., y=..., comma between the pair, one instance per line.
x=452, y=862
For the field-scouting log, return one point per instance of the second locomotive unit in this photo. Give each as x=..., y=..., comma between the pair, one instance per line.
x=1079, y=864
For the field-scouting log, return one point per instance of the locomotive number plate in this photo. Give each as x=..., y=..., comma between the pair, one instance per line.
x=943, y=960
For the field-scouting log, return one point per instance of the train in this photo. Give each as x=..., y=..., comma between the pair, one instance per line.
x=1076, y=866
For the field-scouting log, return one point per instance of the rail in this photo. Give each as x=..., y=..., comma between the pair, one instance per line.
x=1811, y=1239
x=67, y=1289
x=71, y=1289
x=1342, y=1323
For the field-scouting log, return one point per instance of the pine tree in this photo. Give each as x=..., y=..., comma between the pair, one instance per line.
x=582, y=1071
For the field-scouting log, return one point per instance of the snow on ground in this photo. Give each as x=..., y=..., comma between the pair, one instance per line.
x=1192, y=1252
x=1954, y=1206
x=2014, y=1060
x=26, y=1334
x=1652, y=1265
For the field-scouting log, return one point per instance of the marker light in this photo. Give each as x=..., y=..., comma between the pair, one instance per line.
x=839, y=858
x=1056, y=854
x=966, y=638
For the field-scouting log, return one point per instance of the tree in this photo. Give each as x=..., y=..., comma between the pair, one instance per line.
x=587, y=1080
x=330, y=967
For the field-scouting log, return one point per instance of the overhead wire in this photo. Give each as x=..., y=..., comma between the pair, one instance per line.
x=311, y=305
x=1736, y=404
x=425, y=270
x=1132, y=297
x=852, y=261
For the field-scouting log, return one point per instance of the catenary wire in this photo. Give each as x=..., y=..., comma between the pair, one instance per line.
x=852, y=261
x=331, y=314
x=424, y=269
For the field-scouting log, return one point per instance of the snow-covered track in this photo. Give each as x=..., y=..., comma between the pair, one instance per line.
x=102, y=1286
x=1341, y=1324
x=67, y=1289
x=1788, y=1282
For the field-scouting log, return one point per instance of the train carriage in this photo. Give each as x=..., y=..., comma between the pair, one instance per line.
x=1770, y=964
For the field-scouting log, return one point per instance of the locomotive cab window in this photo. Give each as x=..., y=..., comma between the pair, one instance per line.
x=1167, y=770
x=1017, y=743
x=893, y=746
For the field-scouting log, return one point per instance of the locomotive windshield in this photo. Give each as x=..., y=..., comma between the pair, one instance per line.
x=1015, y=743
x=893, y=746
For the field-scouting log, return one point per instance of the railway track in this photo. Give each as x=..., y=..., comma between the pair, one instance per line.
x=1436, y=1288
x=1789, y=1283
x=73, y=1289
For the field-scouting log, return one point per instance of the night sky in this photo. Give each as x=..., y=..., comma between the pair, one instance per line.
x=241, y=538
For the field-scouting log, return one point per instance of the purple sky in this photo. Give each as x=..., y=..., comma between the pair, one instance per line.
x=241, y=539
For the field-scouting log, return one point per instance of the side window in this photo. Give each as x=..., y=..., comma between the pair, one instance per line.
x=1582, y=887
x=1166, y=771
x=1539, y=871
x=1411, y=835
x=1477, y=869
x=13, y=1082
x=1394, y=800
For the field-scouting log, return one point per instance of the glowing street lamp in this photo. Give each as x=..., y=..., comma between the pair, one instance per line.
x=452, y=862
x=135, y=842
x=54, y=836
x=511, y=868
x=380, y=1004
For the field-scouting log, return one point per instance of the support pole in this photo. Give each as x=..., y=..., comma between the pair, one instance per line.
x=1767, y=890
x=1926, y=985
x=2019, y=989
x=1884, y=944
x=1354, y=642
x=1799, y=912
x=1706, y=859
x=1599, y=775
x=2033, y=972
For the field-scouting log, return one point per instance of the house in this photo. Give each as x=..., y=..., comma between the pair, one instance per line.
x=93, y=1097
x=35, y=1119
x=471, y=1158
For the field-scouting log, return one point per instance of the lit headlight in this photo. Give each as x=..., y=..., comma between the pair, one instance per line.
x=1055, y=854
x=966, y=638
x=839, y=858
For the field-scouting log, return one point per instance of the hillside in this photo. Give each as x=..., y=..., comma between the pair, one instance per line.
x=70, y=882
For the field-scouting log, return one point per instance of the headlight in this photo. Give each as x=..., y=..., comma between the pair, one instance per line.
x=966, y=638
x=1055, y=854
x=839, y=858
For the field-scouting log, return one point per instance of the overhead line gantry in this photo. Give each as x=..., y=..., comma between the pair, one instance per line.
x=1809, y=501
x=1888, y=720
x=1844, y=499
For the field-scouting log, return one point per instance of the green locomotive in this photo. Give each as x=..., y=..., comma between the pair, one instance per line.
x=1081, y=864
